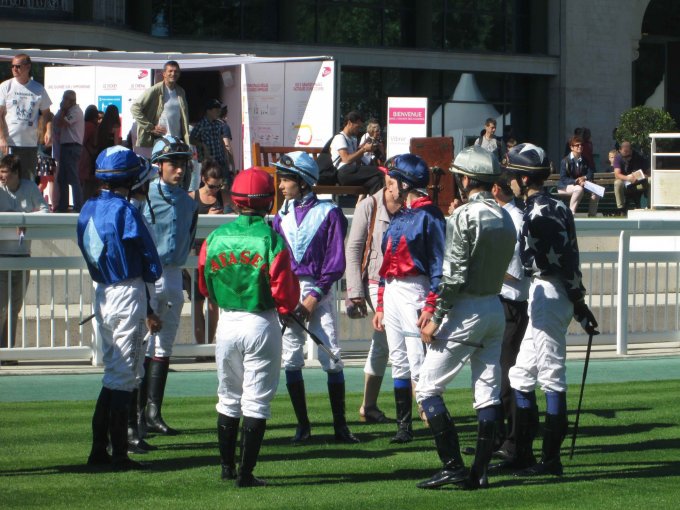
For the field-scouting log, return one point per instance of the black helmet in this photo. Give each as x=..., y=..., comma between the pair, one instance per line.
x=528, y=159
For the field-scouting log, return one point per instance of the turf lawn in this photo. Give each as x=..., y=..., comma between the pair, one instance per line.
x=627, y=456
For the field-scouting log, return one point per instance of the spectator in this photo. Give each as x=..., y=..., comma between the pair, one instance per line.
x=69, y=130
x=588, y=149
x=574, y=172
x=22, y=100
x=16, y=195
x=626, y=163
x=509, y=144
x=208, y=136
x=108, y=132
x=210, y=198
x=227, y=138
x=372, y=135
x=567, y=146
x=161, y=110
x=363, y=254
x=611, y=156
x=89, y=154
x=347, y=156
x=489, y=141
x=46, y=169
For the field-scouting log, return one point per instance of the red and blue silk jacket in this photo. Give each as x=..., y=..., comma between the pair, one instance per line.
x=414, y=245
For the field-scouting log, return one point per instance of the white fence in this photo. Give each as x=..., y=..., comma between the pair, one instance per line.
x=59, y=295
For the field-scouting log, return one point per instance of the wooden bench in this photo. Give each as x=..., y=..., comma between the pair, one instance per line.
x=606, y=205
x=266, y=156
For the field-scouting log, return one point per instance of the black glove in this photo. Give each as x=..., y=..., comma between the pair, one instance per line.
x=356, y=308
x=585, y=318
x=301, y=313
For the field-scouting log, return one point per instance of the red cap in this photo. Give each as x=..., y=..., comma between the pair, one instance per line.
x=253, y=188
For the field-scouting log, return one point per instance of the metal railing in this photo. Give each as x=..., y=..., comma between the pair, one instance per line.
x=60, y=292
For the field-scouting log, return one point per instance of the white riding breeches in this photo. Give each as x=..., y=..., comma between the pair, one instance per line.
x=473, y=330
x=248, y=357
x=167, y=303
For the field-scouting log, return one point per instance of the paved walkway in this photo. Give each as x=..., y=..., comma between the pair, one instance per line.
x=40, y=381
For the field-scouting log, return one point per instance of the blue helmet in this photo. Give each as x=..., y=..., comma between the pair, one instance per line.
x=147, y=173
x=411, y=171
x=170, y=147
x=117, y=164
x=298, y=164
x=528, y=159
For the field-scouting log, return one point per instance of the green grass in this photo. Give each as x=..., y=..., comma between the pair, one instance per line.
x=627, y=455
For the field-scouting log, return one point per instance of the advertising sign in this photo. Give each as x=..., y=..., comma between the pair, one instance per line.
x=287, y=104
x=406, y=119
x=100, y=86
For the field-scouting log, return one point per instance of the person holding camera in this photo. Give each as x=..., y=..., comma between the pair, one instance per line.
x=363, y=254
x=346, y=155
x=372, y=135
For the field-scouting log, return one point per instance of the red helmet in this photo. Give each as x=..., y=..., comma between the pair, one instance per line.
x=253, y=188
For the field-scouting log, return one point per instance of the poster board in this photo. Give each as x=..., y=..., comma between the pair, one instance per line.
x=287, y=104
x=406, y=119
x=100, y=86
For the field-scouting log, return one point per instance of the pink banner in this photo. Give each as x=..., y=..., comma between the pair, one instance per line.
x=407, y=115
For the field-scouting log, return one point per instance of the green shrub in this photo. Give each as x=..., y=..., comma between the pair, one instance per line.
x=636, y=124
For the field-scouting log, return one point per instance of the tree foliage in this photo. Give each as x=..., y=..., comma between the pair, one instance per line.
x=636, y=124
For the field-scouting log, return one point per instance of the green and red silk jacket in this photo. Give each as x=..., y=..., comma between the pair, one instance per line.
x=245, y=266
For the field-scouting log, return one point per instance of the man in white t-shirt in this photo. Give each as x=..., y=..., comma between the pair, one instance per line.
x=161, y=110
x=22, y=100
x=347, y=157
x=489, y=141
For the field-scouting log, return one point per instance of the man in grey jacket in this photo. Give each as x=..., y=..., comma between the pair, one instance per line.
x=161, y=110
x=364, y=258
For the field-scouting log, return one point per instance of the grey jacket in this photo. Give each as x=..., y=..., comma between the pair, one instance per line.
x=147, y=110
x=356, y=243
x=480, y=241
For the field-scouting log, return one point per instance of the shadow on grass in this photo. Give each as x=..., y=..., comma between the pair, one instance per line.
x=640, y=446
x=590, y=473
x=608, y=413
x=617, y=430
x=411, y=475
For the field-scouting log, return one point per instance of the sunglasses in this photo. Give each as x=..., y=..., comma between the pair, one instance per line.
x=577, y=145
x=215, y=186
x=18, y=66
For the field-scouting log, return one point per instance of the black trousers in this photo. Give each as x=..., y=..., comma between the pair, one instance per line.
x=516, y=321
x=362, y=175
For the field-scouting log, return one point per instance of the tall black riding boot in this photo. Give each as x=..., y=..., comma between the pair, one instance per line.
x=100, y=430
x=227, y=433
x=251, y=440
x=158, y=376
x=518, y=453
x=486, y=431
x=336, y=393
x=403, y=398
x=554, y=431
x=118, y=424
x=446, y=439
x=501, y=433
x=142, y=399
x=303, y=432
x=135, y=443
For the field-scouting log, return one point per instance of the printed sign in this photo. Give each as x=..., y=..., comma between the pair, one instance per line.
x=406, y=119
